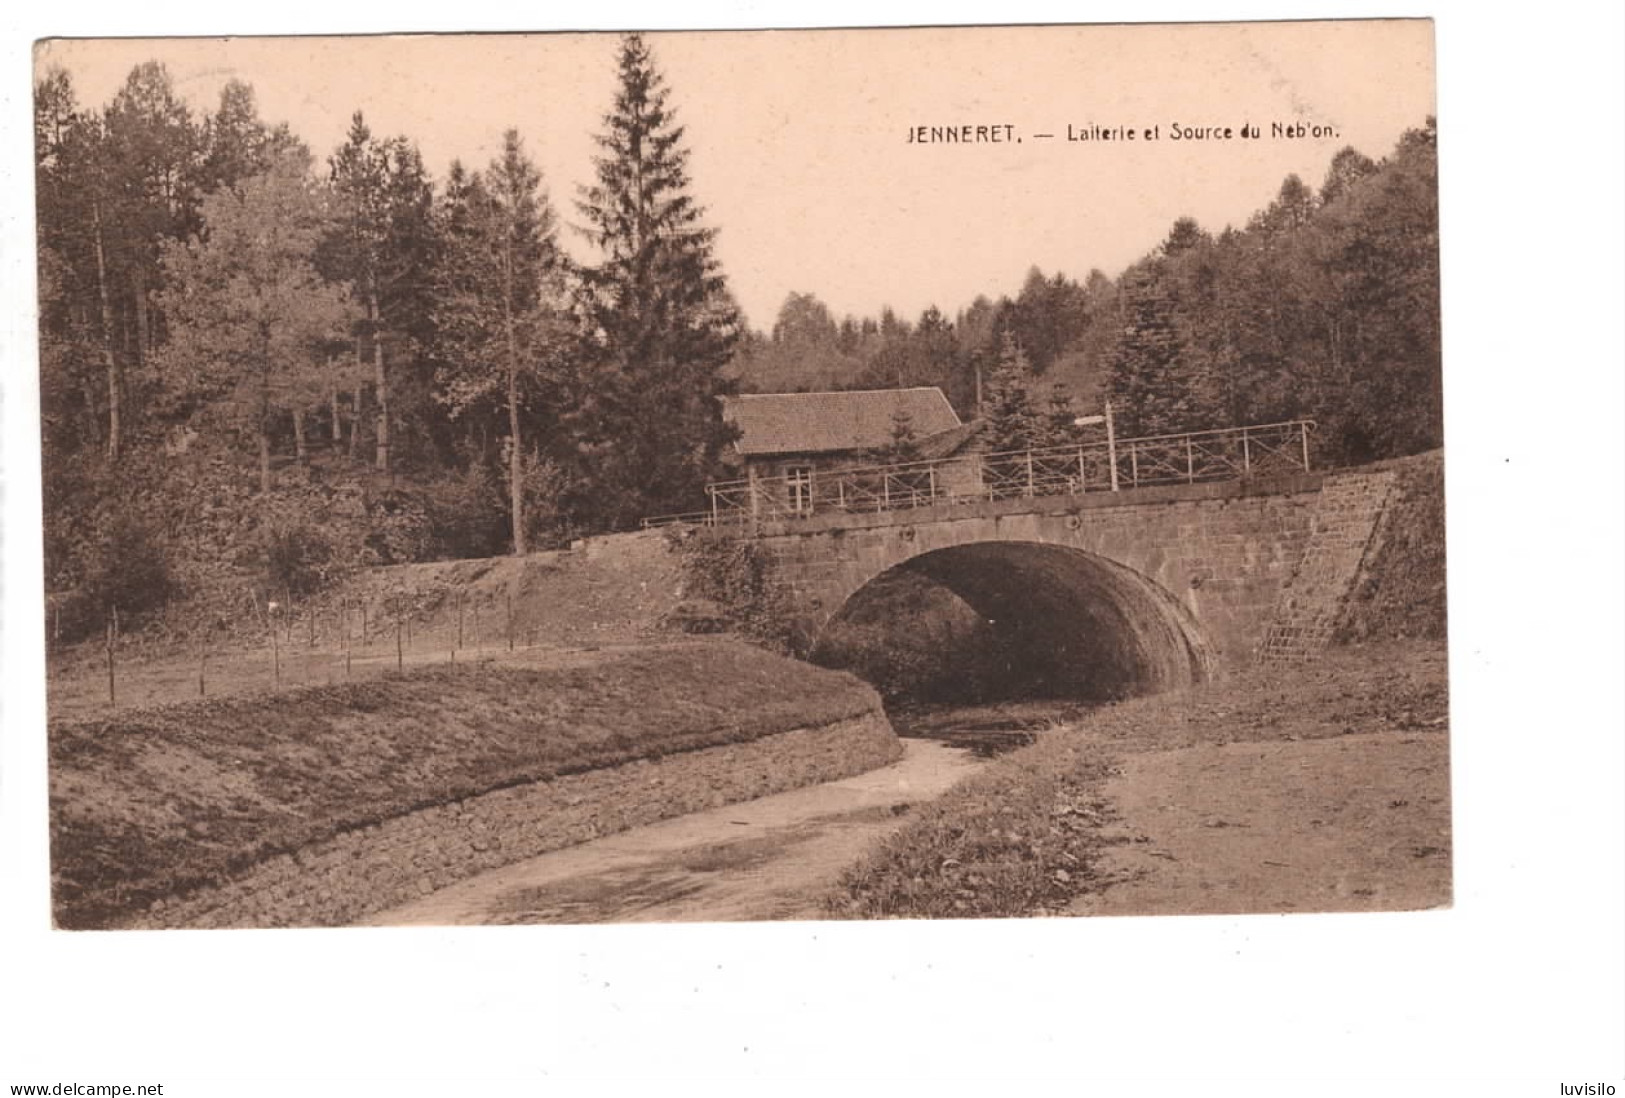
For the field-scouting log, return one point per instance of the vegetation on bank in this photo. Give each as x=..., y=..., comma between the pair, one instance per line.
x=157, y=801
x=731, y=585
x=1400, y=592
x=1023, y=837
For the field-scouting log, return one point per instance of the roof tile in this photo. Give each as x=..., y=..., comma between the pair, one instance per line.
x=801, y=423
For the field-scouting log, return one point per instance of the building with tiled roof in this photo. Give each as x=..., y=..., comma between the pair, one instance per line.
x=787, y=439
x=827, y=425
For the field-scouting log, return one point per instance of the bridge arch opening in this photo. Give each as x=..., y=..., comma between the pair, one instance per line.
x=1000, y=620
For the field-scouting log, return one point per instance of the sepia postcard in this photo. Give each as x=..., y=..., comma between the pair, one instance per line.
x=920, y=473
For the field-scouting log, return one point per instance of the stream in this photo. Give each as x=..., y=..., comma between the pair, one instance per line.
x=772, y=858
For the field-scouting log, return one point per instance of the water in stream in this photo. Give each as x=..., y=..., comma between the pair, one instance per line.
x=984, y=730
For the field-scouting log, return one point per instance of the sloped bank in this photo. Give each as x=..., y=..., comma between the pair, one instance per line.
x=319, y=806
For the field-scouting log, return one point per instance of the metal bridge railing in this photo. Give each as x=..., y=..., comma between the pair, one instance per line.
x=1231, y=453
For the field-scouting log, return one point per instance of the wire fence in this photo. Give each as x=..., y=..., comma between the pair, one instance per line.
x=286, y=643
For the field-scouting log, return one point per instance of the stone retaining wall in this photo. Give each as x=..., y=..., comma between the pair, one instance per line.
x=1311, y=602
x=343, y=879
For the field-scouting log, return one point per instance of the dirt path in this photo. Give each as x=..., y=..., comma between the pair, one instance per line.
x=1353, y=823
x=771, y=858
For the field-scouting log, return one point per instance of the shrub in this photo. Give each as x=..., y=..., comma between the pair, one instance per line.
x=296, y=557
x=399, y=528
x=128, y=568
x=736, y=574
x=307, y=538
x=546, y=486
x=466, y=513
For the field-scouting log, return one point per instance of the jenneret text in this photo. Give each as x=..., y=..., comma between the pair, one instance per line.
x=998, y=133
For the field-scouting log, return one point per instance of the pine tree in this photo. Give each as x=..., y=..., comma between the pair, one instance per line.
x=149, y=171
x=661, y=323
x=502, y=325
x=902, y=445
x=382, y=246
x=237, y=143
x=1149, y=392
x=1012, y=421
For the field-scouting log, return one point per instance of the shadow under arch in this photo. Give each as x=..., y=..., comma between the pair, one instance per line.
x=1007, y=619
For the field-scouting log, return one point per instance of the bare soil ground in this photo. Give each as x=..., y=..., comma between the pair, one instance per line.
x=1359, y=823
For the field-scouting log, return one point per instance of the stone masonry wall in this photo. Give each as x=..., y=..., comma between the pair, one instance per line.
x=1222, y=551
x=1312, y=600
x=341, y=880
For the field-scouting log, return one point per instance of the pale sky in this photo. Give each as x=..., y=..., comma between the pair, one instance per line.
x=799, y=138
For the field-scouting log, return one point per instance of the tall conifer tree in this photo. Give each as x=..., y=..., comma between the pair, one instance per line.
x=502, y=322
x=661, y=325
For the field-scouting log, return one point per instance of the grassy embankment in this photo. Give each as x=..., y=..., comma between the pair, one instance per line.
x=543, y=602
x=1023, y=836
x=158, y=801
x=1400, y=592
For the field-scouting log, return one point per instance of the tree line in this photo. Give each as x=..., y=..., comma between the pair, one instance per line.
x=258, y=362
x=255, y=362
x=1323, y=306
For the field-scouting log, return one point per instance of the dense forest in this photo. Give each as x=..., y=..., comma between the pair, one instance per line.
x=263, y=367
x=1325, y=306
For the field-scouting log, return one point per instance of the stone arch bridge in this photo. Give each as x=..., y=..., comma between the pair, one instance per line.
x=1127, y=592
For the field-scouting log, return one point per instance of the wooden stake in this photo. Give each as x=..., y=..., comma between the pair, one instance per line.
x=202, y=664
x=398, y=652
x=510, y=620
x=276, y=658
x=112, y=689
x=461, y=602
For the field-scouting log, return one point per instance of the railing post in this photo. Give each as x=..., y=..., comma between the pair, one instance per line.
x=1303, y=433
x=1190, y=461
x=1111, y=444
x=932, y=469
x=1134, y=464
x=712, y=492
x=1029, y=474
x=885, y=490
x=1246, y=453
